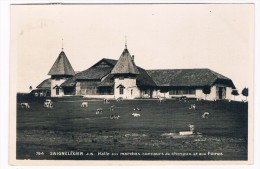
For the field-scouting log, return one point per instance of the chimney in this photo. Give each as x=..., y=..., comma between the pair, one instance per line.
x=133, y=57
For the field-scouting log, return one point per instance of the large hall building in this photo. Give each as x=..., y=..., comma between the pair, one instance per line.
x=122, y=78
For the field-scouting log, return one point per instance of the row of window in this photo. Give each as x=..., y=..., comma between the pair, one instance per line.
x=172, y=92
x=182, y=92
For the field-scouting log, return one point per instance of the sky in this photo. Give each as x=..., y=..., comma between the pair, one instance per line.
x=161, y=36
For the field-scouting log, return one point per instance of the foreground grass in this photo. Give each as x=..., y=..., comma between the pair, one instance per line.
x=69, y=127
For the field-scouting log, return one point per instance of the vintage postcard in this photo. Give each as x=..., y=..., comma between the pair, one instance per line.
x=98, y=84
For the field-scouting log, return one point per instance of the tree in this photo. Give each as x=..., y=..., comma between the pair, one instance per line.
x=164, y=90
x=206, y=90
x=245, y=92
x=234, y=93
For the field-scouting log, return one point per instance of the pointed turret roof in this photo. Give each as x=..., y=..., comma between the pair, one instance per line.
x=125, y=64
x=62, y=66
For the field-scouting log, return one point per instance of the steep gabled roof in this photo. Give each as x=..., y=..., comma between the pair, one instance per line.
x=62, y=66
x=108, y=62
x=98, y=70
x=188, y=77
x=46, y=84
x=94, y=73
x=125, y=64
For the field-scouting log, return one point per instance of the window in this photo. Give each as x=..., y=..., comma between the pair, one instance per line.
x=121, y=90
x=57, y=91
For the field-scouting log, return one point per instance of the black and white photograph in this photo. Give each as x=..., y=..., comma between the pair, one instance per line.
x=131, y=82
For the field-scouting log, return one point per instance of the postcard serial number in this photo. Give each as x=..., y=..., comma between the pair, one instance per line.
x=38, y=153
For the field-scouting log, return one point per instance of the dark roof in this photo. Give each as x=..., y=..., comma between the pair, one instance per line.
x=143, y=79
x=109, y=62
x=125, y=64
x=70, y=82
x=103, y=73
x=187, y=77
x=161, y=77
x=107, y=82
x=46, y=84
x=95, y=72
x=62, y=66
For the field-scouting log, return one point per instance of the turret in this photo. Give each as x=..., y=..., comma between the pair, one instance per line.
x=60, y=71
x=125, y=73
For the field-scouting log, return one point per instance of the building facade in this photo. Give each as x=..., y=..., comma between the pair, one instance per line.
x=123, y=79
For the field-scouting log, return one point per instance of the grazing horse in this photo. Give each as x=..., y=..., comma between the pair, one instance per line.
x=112, y=108
x=114, y=116
x=184, y=99
x=84, y=104
x=137, y=109
x=119, y=99
x=25, y=105
x=136, y=115
x=48, y=103
x=99, y=111
x=192, y=107
x=106, y=101
x=205, y=115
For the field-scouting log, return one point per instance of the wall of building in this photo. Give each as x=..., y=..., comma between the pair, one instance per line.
x=187, y=95
x=211, y=96
x=146, y=93
x=57, y=82
x=131, y=91
x=77, y=88
x=158, y=94
x=214, y=93
x=188, y=92
x=228, y=93
x=100, y=96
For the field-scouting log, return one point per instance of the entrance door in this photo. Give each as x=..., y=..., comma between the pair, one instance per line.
x=151, y=93
x=220, y=93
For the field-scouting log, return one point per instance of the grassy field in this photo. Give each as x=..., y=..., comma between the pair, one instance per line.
x=44, y=133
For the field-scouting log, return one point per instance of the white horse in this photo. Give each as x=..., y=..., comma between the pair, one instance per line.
x=136, y=114
x=192, y=107
x=84, y=104
x=106, y=101
x=99, y=111
x=48, y=103
x=25, y=105
x=205, y=115
x=114, y=116
x=112, y=108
